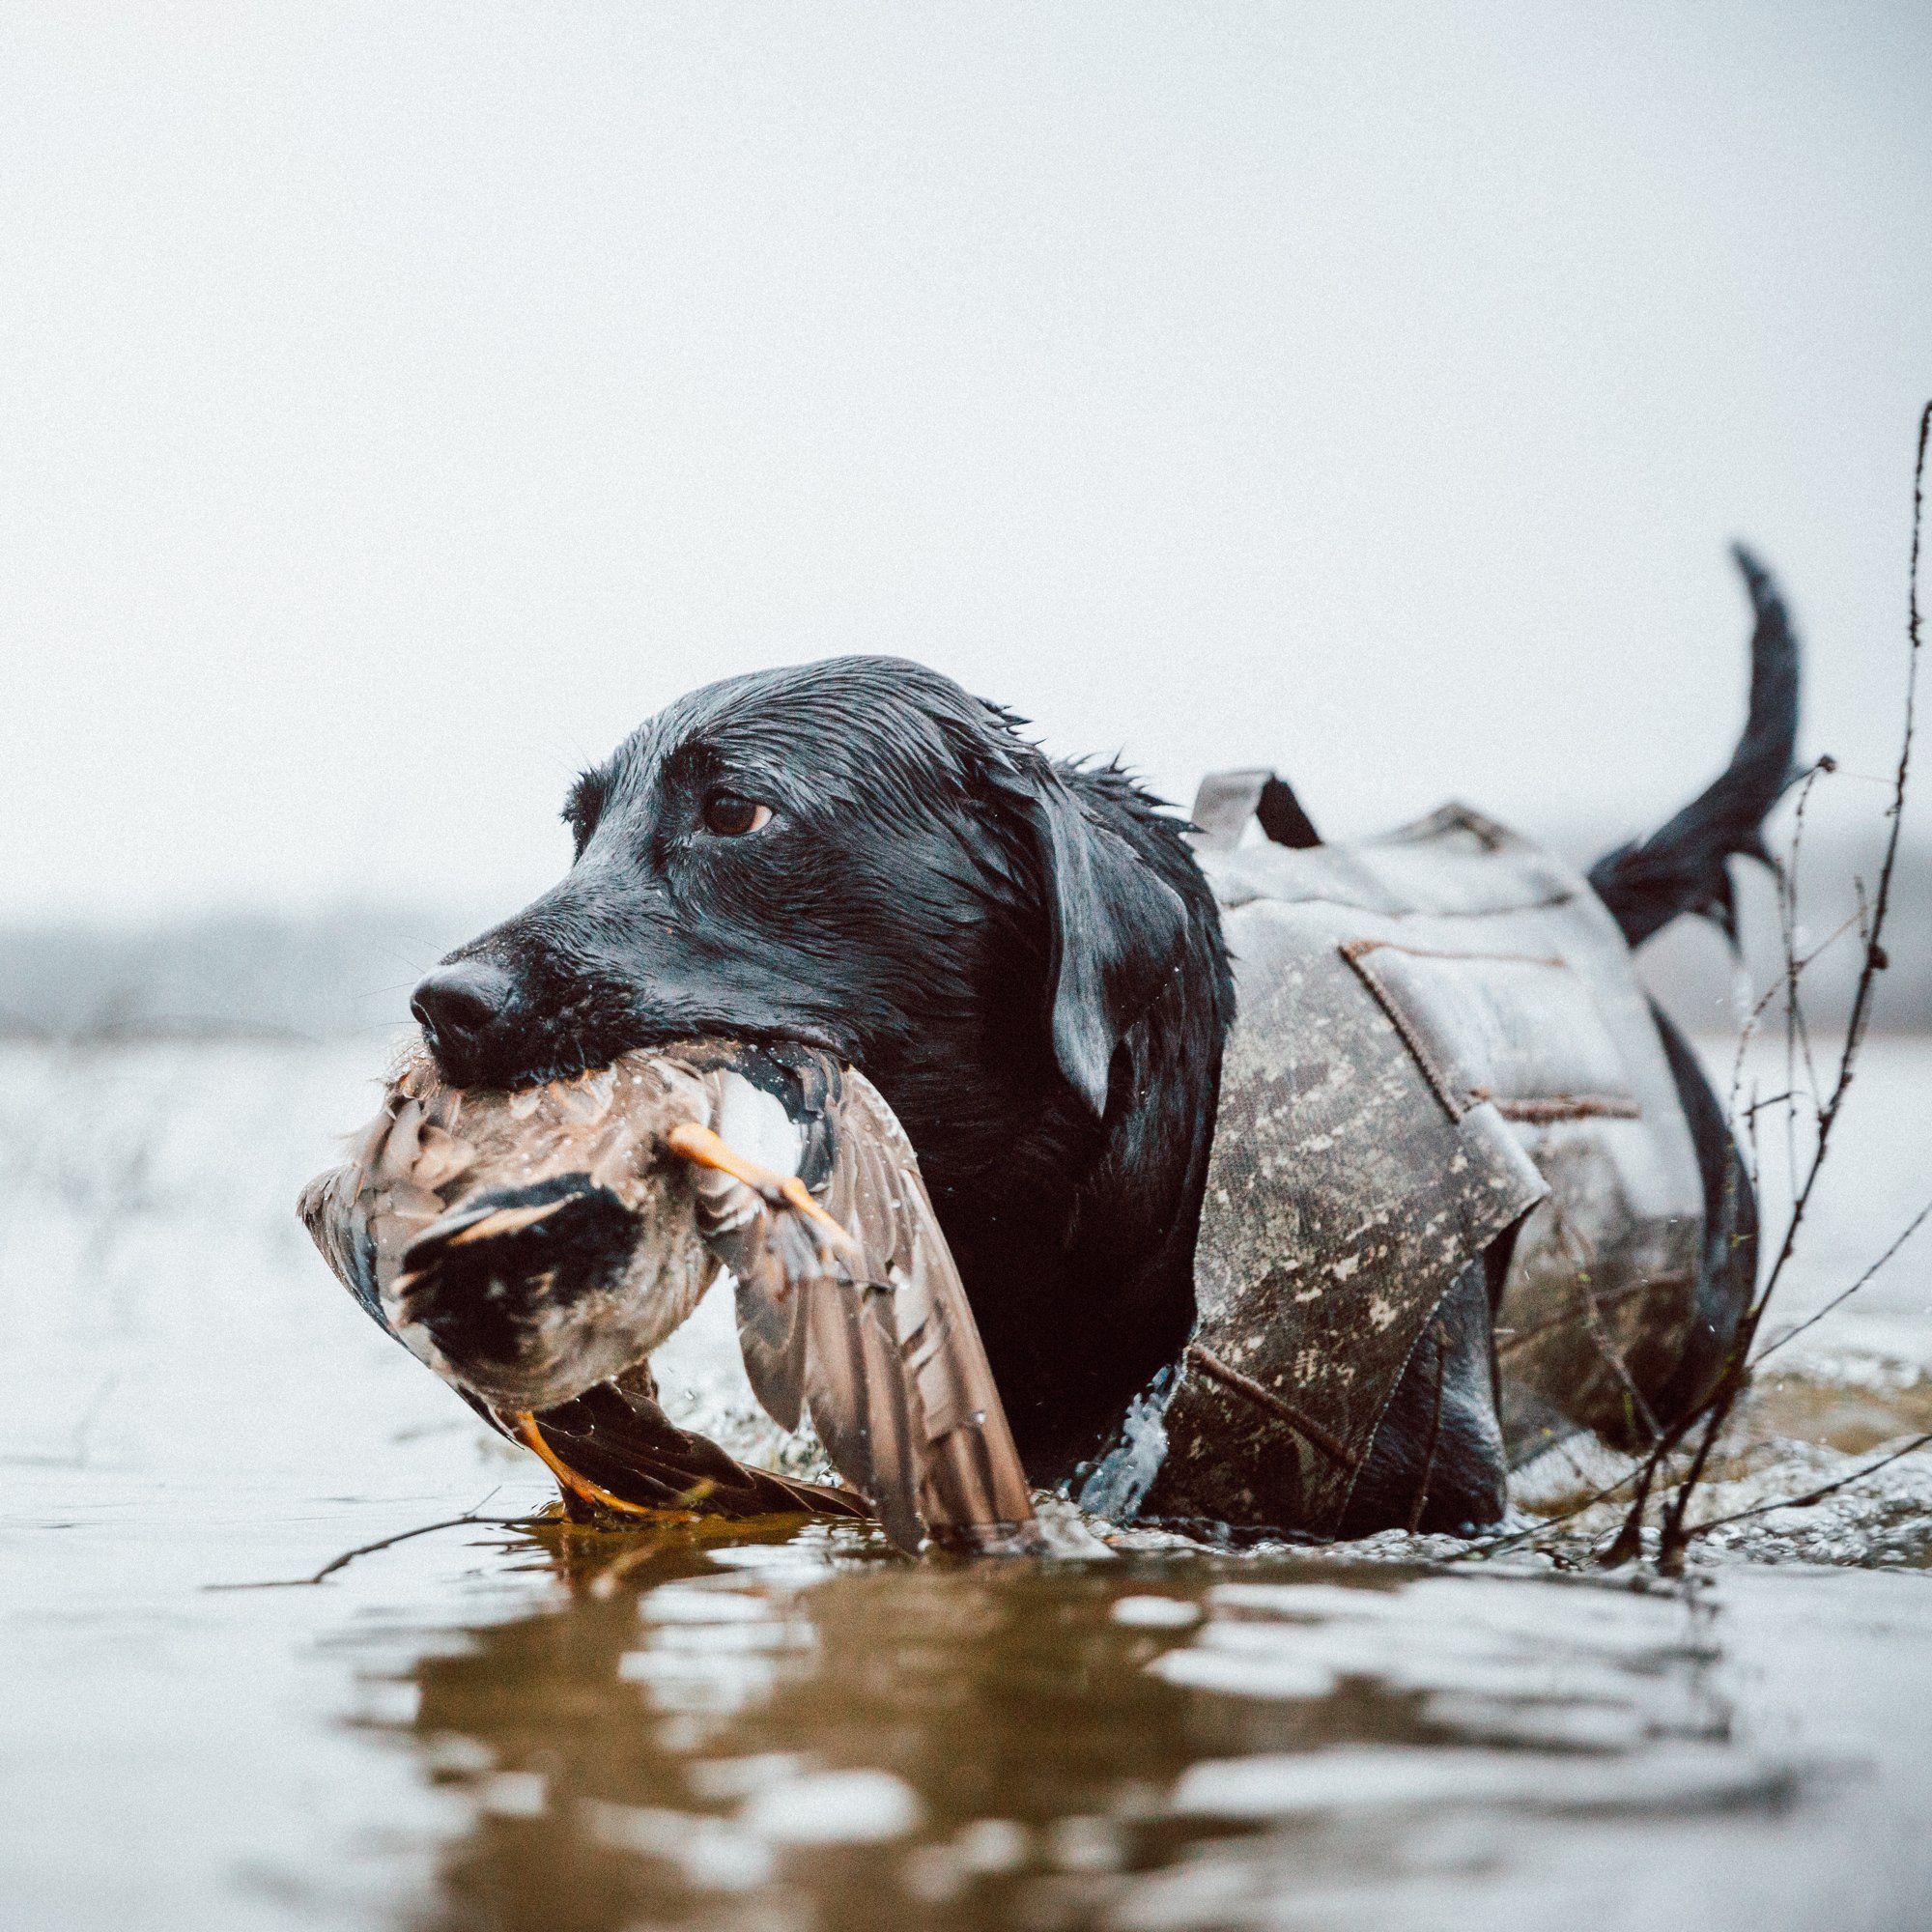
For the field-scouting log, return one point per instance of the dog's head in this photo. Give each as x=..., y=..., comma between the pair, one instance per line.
x=854, y=854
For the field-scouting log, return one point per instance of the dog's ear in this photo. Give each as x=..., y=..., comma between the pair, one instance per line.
x=1117, y=929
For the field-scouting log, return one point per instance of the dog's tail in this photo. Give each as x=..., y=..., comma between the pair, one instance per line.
x=1681, y=868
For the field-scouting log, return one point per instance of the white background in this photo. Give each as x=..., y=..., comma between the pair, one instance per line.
x=398, y=403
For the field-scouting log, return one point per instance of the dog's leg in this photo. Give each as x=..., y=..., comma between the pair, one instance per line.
x=1436, y=1463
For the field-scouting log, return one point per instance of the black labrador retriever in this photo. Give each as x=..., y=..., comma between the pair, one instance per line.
x=1021, y=954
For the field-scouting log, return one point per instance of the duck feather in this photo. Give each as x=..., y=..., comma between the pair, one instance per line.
x=534, y=1248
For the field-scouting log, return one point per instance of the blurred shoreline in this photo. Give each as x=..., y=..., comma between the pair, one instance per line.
x=346, y=971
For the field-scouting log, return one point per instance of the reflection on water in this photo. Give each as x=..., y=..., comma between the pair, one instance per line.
x=765, y=1727
x=804, y=1731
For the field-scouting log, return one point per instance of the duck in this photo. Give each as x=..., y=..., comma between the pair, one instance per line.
x=534, y=1247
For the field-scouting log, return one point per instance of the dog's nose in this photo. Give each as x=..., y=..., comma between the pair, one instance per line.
x=458, y=1004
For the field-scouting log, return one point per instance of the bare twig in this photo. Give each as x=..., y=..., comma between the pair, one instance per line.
x=1817, y=1495
x=1844, y=1295
x=1491, y=1545
x=348, y=1556
x=1708, y=1418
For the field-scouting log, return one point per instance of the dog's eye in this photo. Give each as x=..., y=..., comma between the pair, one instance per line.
x=580, y=810
x=731, y=816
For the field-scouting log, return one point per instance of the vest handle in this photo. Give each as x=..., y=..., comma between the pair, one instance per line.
x=1227, y=800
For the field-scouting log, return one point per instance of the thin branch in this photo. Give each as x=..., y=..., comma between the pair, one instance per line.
x=1557, y=1521
x=1812, y=1497
x=348, y=1556
x=1812, y=1320
x=1714, y=1410
x=1737, y=1370
x=1852, y=922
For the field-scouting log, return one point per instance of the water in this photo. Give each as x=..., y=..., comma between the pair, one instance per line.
x=766, y=1728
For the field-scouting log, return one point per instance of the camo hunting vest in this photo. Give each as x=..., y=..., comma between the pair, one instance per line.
x=1439, y=1037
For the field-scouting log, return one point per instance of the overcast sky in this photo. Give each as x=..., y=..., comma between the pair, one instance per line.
x=397, y=403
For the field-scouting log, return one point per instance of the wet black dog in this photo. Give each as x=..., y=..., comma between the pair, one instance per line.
x=1022, y=954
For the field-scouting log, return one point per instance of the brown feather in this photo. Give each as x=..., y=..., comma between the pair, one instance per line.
x=849, y=1306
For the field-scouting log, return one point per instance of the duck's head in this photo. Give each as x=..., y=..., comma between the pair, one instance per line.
x=528, y=1296
x=529, y=1245
x=534, y=1247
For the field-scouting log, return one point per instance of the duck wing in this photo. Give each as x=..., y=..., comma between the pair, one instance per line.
x=972, y=1490
x=851, y=1307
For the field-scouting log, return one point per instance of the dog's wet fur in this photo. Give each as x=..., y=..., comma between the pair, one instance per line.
x=1025, y=958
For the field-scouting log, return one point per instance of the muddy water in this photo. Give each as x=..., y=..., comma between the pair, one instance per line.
x=772, y=1726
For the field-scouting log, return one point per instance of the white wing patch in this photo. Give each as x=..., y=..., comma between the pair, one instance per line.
x=755, y=1125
